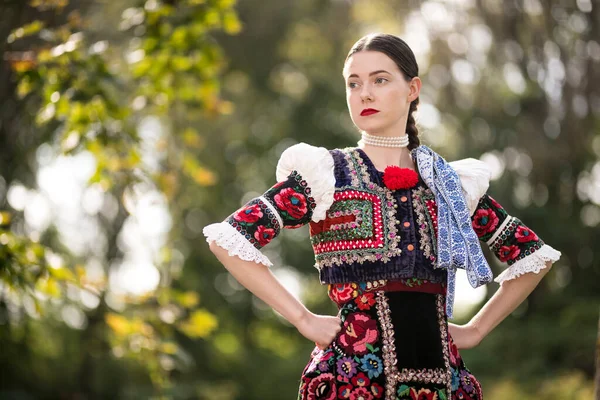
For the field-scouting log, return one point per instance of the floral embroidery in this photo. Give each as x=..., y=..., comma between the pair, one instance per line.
x=291, y=203
x=264, y=235
x=286, y=204
x=346, y=366
x=361, y=362
x=524, y=234
x=365, y=301
x=508, y=238
x=359, y=331
x=372, y=364
x=507, y=253
x=249, y=214
x=323, y=387
x=360, y=224
x=426, y=210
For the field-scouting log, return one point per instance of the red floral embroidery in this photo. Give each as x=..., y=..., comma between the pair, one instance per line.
x=462, y=395
x=322, y=387
x=377, y=390
x=264, y=235
x=423, y=394
x=344, y=392
x=365, y=301
x=395, y=177
x=507, y=253
x=341, y=292
x=494, y=203
x=524, y=234
x=454, y=354
x=361, y=380
x=361, y=393
x=251, y=213
x=484, y=221
x=359, y=330
x=292, y=202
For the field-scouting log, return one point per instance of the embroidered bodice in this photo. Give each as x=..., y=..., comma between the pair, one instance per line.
x=362, y=231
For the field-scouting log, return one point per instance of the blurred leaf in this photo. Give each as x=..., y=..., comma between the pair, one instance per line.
x=200, y=324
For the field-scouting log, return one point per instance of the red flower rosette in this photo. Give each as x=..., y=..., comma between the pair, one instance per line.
x=395, y=177
x=292, y=202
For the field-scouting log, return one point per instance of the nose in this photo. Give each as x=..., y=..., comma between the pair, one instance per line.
x=365, y=94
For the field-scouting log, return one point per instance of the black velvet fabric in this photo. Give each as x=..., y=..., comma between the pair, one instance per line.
x=416, y=329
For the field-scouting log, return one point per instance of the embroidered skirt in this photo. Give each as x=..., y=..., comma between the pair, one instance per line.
x=394, y=345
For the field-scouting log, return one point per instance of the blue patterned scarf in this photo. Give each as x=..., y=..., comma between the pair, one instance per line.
x=457, y=245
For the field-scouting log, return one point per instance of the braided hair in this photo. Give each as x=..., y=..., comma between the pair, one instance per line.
x=403, y=56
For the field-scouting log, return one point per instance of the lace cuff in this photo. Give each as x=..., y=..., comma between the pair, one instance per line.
x=475, y=178
x=227, y=237
x=534, y=262
x=316, y=166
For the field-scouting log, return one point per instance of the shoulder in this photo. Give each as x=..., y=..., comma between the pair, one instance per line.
x=475, y=176
x=316, y=167
x=304, y=158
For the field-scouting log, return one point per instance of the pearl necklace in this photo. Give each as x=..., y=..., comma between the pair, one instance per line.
x=384, y=141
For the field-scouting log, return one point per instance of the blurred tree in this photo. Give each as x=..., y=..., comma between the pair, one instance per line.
x=90, y=89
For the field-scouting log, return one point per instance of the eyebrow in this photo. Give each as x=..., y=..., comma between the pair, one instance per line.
x=371, y=74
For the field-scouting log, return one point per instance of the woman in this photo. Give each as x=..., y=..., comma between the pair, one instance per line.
x=390, y=221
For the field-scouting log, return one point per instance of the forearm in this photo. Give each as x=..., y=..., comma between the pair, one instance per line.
x=259, y=280
x=506, y=299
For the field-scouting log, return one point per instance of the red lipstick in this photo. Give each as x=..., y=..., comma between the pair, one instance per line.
x=369, y=111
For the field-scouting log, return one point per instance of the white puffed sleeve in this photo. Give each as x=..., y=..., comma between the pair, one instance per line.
x=316, y=166
x=303, y=192
x=475, y=178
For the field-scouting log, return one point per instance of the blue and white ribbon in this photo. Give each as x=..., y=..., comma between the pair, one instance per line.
x=457, y=245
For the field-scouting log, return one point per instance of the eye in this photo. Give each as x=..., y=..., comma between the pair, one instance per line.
x=350, y=85
x=377, y=79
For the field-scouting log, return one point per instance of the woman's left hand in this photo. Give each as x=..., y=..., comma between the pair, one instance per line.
x=464, y=336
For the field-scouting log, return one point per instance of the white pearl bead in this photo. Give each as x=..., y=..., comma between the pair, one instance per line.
x=394, y=141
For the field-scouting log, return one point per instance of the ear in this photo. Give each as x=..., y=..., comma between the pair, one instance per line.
x=415, y=88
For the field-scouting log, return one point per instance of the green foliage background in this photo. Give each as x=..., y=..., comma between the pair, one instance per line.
x=189, y=103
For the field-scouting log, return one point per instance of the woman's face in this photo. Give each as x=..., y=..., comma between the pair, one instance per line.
x=374, y=81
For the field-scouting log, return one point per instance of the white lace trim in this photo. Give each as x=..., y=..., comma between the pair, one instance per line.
x=474, y=177
x=273, y=210
x=316, y=166
x=534, y=262
x=500, y=229
x=227, y=237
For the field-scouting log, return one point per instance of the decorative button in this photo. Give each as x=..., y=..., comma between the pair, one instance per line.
x=403, y=199
x=410, y=247
x=406, y=224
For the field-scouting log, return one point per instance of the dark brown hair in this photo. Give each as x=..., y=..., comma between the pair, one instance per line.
x=396, y=49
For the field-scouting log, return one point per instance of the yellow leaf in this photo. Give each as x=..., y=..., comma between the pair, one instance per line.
x=191, y=138
x=169, y=348
x=204, y=177
x=4, y=218
x=227, y=343
x=231, y=23
x=119, y=324
x=62, y=274
x=200, y=325
x=188, y=299
x=49, y=287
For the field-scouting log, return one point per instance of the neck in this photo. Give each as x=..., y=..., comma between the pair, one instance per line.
x=381, y=157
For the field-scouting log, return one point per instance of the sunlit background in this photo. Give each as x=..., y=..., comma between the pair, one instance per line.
x=126, y=127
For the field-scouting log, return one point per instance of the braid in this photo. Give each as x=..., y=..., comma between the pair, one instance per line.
x=411, y=127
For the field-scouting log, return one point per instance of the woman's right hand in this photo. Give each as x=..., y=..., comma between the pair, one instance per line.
x=321, y=329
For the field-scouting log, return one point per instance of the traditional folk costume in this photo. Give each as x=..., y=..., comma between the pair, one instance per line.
x=389, y=257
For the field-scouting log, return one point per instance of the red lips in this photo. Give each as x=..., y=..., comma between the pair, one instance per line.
x=369, y=111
